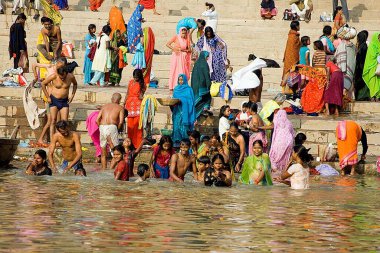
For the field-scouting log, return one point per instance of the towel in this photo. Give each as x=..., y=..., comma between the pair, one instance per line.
x=31, y=109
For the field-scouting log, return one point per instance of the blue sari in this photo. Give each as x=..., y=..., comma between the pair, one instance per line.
x=183, y=114
x=134, y=30
x=88, y=73
x=62, y=4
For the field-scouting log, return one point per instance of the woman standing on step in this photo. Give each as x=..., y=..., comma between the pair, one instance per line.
x=134, y=30
x=361, y=89
x=17, y=42
x=371, y=66
x=95, y=4
x=292, y=49
x=89, y=40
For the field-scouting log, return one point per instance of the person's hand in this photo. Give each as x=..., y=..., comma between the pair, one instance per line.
x=238, y=167
x=152, y=174
x=70, y=100
x=220, y=150
x=49, y=99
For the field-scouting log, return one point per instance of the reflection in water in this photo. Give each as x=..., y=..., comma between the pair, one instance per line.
x=94, y=213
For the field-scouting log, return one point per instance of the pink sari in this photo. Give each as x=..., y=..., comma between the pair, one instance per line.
x=93, y=131
x=282, y=142
x=180, y=61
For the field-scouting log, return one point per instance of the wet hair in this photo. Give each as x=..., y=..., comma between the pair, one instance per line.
x=327, y=30
x=137, y=73
x=21, y=16
x=62, y=124
x=209, y=30
x=62, y=71
x=304, y=40
x=204, y=159
x=362, y=37
x=142, y=168
x=234, y=124
x=216, y=136
x=209, y=179
x=253, y=107
x=43, y=155
x=338, y=8
x=271, y=117
x=216, y=157
x=164, y=139
x=62, y=59
x=300, y=139
x=318, y=44
x=205, y=138
x=70, y=67
x=202, y=22
x=210, y=5
x=185, y=141
x=119, y=148
x=195, y=134
x=91, y=26
x=46, y=20
x=258, y=142
x=82, y=170
x=303, y=153
x=223, y=110
x=294, y=25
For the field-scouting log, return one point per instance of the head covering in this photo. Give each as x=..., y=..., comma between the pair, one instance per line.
x=370, y=65
x=116, y=21
x=134, y=30
x=184, y=93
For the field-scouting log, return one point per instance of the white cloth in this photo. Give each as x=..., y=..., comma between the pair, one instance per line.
x=18, y=4
x=224, y=126
x=300, y=13
x=300, y=177
x=31, y=109
x=212, y=19
x=245, y=78
x=108, y=131
x=101, y=54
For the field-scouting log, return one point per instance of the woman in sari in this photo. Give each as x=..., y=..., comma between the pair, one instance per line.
x=236, y=146
x=201, y=83
x=361, y=89
x=134, y=28
x=181, y=57
x=118, y=62
x=183, y=114
x=339, y=19
x=256, y=167
x=17, y=42
x=89, y=40
x=293, y=45
x=348, y=134
x=149, y=5
x=282, y=143
x=217, y=50
x=133, y=99
x=268, y=9
x=93, y=131
x=371, y=64
x=116, y=20
x=62, y=4
x=95, y=4
x=51, y=12
x=149, y=41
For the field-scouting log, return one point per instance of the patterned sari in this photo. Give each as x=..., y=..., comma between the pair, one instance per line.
x=234, y=149
x=133, y=104
x=149, y=41
x=134, y=28
x=252, y=167
x=348, y=133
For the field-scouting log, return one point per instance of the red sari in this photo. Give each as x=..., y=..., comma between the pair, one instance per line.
x=148, y=4
x=95, y=4
x=133, y=104
x=149, y=41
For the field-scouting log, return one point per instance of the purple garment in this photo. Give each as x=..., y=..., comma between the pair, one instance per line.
x=326, y=170
x=282, y=142
x=334, y=92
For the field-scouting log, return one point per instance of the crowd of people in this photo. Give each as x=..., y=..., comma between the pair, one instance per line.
x=258, y=143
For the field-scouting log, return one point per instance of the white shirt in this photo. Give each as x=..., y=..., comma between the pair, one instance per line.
x=300, y=177
x=212, y=19
x=224, y=126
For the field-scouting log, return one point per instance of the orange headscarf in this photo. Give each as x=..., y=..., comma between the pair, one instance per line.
x=116, y=21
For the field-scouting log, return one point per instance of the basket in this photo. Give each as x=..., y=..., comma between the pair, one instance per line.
x=168, y=101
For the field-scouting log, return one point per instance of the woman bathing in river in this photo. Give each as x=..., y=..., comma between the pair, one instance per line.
x=39, y=166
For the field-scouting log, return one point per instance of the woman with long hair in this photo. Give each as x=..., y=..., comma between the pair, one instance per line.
x=117, y=58
x=133, y=99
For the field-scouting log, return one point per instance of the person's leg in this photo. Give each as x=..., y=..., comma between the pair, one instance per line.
x=335, y=4
x=46, y=127
x=64, y=112
x=327, y=111
x=345, y=9
x=101, y=80
x=16, y=4
x=103, y=158
x=16, y=60
x=53, y=117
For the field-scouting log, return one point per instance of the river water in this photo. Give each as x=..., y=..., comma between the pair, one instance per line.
x=71, y=214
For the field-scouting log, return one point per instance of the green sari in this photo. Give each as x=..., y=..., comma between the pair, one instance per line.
x=201, y=83
x=115, y=72
x=251, y=170
x=370, y=65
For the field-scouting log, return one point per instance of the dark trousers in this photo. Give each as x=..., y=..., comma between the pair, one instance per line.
x=344, y=6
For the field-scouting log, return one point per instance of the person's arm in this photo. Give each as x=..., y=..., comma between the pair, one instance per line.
x=152, y=159
x=226, y=177
x=44, y=37
x=173, y=165
x=191, y=35
x=224, y=152
x=46, y=82
x=75, y=86
x=170, y=42
x=39, y=65
x=121, y=118
x=268, y=127
x=194, y=166
x=364, y=144
x=138, y=150
x=260, y=177
x=59, y=44
x=99, y=118
x=78, y=150
x=118, y=173
x=242, y=153
x=29, y=170
x=51, y=153
x=307, y=56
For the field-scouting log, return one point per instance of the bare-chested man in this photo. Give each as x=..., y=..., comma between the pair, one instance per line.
x=181, y=162
x=58, y=98
x=110, y=120
x=71, y=149
x=52, y=39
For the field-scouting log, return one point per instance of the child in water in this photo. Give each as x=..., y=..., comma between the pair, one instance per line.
x=181, y=162
x=218, y=174
x=298, y=169
x=122, y=171
x=203, y=163
x=160, y=161
x=142, y=172
x=131, y=152
x=39, y=166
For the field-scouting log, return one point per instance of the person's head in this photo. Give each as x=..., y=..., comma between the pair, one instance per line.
x=182, y=79
x=209, y=6
x=21, y=18
x=184, y=146
x=118, y=153
x=201, y=24
x=209, y=32
x=80, y=172
x=225, y=111
x=218, y=162
x=62, y=72
x=116, y=97
x=106, y=29
x=47, y=23
x=244, y=107
x=205, y=140
x=40, y=158
x=305, y=41
x=215, y=139
x=139, y=77
x=143, y=170
x=337, y=10
x=194, y=137
x=295, y=25
x=234, y=129
x=318, y=45
x=332, y=59
x=92, y=28
x=141, y=7
x=253, y=108
x=300, y=139
x=166, y=143
x=61, y=62
x=203, y=163
x=62, y=127
x=362, y=37
x=301, y=155
x=327, y=30
x=257, y=147
x=127, y=144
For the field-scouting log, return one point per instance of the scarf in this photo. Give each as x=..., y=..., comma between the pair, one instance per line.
x=185, y=94
x=134, y=28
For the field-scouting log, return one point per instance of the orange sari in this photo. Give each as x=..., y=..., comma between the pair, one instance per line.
x=348, y=133
x=292, y=51
x=148, y=4
x=149, y=41
x=95, y=4
x=133, y=104
x=116, y=21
